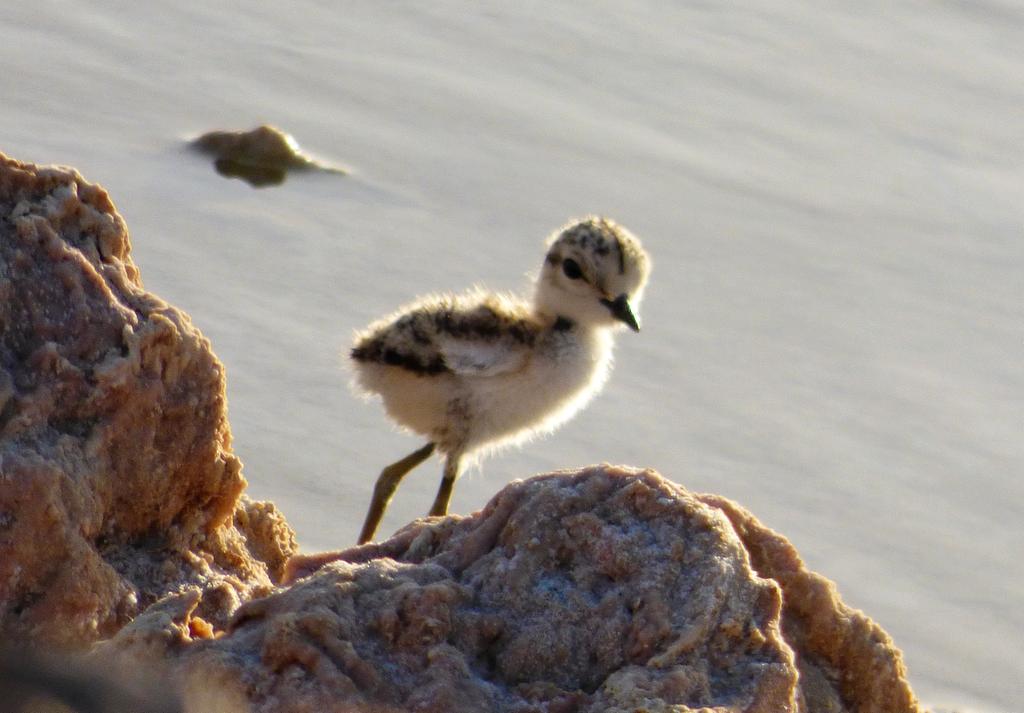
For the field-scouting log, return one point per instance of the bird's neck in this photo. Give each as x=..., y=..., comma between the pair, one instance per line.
x=564, y=323
x=554, y=321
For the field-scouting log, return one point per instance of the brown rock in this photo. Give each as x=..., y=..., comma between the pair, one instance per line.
x=600, y=590
x=117, y=481
x=261, y=156
x=846, y=661
x=604, y=589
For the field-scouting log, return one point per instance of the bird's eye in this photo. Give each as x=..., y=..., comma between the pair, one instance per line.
x=572, y=269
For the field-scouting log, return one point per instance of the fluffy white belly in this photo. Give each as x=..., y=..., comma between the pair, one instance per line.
x=473, y=413
x=556, y=384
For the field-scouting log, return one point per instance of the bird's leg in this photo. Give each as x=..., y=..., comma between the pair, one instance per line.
x=444, y=493
x=387, y=483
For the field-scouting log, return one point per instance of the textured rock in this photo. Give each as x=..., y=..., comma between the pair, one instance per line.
x=846, y=661
x=599, y=590
x=117, y=481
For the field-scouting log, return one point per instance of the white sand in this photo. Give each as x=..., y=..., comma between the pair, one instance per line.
x=832, y=193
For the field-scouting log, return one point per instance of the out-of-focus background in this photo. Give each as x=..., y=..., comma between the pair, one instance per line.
x=833, y=194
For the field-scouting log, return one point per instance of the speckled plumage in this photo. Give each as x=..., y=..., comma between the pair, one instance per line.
x=411, y=338
x=475, y=371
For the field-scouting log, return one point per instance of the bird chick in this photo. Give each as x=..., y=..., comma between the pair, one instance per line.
x=477, y=371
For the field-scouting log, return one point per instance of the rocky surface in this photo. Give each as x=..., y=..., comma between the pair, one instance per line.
x=846, y=661
x=117, y=480
x=604, y=589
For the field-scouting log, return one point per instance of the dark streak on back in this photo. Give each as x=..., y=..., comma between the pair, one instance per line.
x=409, y=341
x=485, y=323
x=374, y=350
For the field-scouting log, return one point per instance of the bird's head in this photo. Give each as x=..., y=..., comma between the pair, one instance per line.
x=594, y=274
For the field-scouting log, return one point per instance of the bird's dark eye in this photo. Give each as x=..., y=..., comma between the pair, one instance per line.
x=572, y=269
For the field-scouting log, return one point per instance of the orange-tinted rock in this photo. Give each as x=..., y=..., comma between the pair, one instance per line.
x=117, y=480
x=846, y=661
x=604, y=589
x=601, y=590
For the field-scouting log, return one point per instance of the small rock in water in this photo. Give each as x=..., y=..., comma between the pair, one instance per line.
x=261, y=156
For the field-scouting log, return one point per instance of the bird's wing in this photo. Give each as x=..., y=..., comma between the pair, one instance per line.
x=477, y=334
x=472, y=357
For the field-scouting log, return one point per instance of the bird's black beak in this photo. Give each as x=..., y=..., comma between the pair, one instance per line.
x=621, y=310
